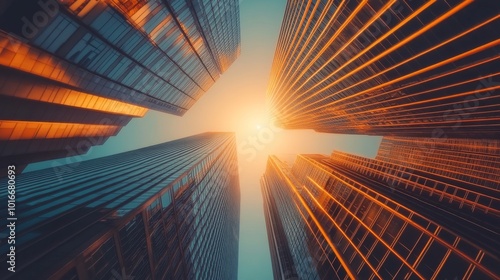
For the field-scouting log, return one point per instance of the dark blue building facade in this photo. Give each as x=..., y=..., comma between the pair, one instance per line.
x=169, y=211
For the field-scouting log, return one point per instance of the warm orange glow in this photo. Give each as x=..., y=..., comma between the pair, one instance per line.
x=45, y=66
x=336, y=34
x=379, y=199
x=456, y=70
x=374, y=270
x=408, y=104
x=432, y=110
x=311, y=214
x=345, y=45
x=363, y=224
x=443, y=159
x=20, y=56
x=283, y=49
x=313, y=108
x=313, y=231
x=287, y=55
x=275, y=68
x=22, y=130
x=457, y=144
x=380, y=165
x=397, y=46
x=443, y=260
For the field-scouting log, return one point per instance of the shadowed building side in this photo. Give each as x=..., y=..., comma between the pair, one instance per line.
x=281, y=254
x=168, y=211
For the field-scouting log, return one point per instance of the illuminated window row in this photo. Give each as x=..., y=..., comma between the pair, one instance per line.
x=17, y=130
x=360, y=225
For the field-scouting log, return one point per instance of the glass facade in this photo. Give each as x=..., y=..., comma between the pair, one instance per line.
x=169, y=211
x=105, y=62
x=391, y=68
x=413, y=212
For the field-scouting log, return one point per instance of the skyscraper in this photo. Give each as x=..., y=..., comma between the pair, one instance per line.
x=72, y=73
x=169, y=211
x=393, y=217
x=390, y=68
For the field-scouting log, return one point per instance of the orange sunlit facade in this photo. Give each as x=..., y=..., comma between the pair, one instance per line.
x=86, y=68
x=413, y=212
x=392, y=68
x=20, y=130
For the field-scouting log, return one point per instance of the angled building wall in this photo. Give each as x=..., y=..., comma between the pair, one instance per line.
x=394, y=217
x=168, y=211
x=73, y=73
x=389, y=68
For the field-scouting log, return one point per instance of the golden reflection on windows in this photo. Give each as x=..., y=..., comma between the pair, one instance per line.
x=349, y=78
x=364, y=222
x=27, y=59
x=23, y=130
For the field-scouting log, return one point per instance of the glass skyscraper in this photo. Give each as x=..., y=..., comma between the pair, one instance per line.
x=391, y=68
x=419, y=210
x=73, y=73
x=168, y=211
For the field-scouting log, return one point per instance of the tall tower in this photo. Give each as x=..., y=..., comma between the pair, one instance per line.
x=169, y=211
x=390, y=68
x=414, y=212
x=73, y=73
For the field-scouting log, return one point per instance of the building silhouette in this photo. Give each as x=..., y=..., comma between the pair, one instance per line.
x=168, y=211
x=419, y=210
x=73, y=73
x=389, y=68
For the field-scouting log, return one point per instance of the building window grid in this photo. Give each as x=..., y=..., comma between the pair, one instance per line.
x=454, y=245
x=159, y=59
x=132, y=174
x=343, y=227
x=457, y=166
x=301, y=266
x=449, y=191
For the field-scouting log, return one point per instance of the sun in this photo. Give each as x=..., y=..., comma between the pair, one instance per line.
x=251, y=120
